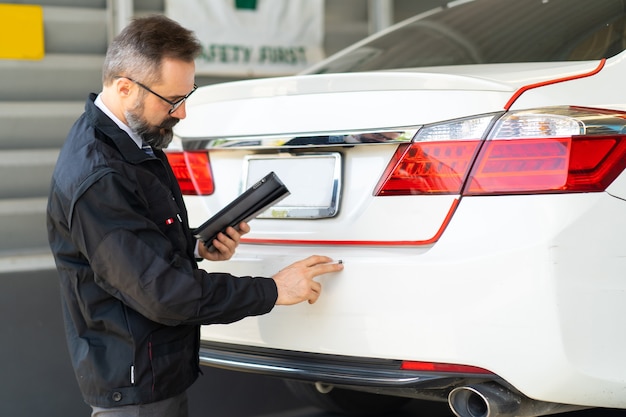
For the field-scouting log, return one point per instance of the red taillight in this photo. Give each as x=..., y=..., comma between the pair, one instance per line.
x=548, y=150
x=193, y=172
x=547, y=165
x=442, y=367
x=428, y=168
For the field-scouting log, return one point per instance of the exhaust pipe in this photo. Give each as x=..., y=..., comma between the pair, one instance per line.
x=493, y=400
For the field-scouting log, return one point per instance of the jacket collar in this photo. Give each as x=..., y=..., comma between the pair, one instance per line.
x=118, y=137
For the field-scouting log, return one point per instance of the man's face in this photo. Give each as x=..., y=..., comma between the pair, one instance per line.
x=150, y=115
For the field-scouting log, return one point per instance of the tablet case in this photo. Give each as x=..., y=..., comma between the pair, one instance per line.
x=265, y=193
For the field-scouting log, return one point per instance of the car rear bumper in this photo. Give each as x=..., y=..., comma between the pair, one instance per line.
x=382, y=376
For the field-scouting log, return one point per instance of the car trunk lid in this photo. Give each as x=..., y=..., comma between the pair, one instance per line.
x=332, y=139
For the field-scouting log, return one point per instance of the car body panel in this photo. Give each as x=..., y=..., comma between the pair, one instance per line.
x=364, y=218
x=528, y=296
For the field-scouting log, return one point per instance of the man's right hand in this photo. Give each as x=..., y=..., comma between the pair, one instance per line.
x=296, y=282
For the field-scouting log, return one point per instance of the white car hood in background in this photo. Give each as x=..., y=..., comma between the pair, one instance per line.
x=356, y=101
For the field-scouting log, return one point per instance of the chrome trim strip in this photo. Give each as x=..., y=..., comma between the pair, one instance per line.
x=309, y=139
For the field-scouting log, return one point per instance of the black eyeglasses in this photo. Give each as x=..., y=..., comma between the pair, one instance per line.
x=175, y=104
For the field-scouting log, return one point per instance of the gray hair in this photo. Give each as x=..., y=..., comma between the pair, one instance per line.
x=138, y=51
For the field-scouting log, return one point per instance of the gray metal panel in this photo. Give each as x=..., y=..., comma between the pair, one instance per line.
x=56, y=77
x=26, y=173
x=36, y=124
x=23, y=224
x=75, y=30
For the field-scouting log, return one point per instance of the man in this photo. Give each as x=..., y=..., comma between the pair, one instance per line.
x=133, y=296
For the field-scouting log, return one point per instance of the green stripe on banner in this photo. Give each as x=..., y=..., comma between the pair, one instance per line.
x=246, y=4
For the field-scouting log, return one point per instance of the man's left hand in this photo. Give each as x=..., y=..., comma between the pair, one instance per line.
x=225, y=244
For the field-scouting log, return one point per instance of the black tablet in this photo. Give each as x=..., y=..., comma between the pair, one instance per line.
x=265, y=193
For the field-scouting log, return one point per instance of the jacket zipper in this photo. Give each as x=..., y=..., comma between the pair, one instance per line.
x=132, y=364
x=151, y=364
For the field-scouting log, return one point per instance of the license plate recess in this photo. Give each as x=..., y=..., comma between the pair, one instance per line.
x=313, y=179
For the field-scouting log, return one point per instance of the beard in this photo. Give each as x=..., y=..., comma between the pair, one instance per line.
x=158, y=136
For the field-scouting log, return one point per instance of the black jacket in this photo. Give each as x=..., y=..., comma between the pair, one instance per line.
x=133, y=297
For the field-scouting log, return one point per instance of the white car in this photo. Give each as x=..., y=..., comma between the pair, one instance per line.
x=467, y=166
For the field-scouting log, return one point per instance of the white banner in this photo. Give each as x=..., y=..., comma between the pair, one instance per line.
x=253, y=37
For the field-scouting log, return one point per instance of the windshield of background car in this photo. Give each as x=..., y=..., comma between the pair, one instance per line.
x=495, y=31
